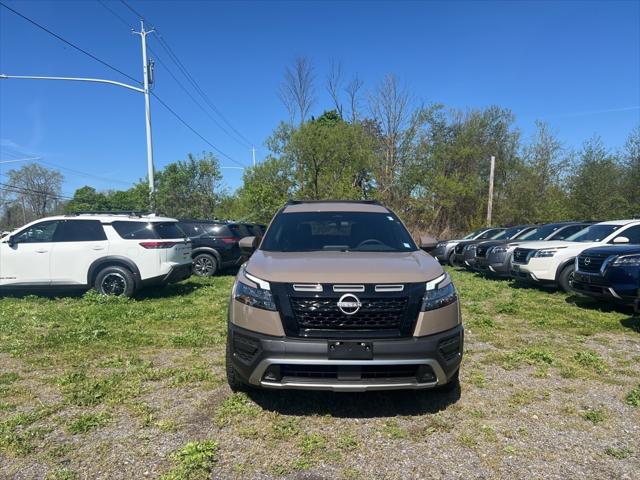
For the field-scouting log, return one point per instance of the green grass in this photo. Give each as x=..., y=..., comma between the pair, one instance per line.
x=102, y=372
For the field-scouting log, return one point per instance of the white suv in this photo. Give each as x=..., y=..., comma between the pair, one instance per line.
x=553, y=261
x=115, y=253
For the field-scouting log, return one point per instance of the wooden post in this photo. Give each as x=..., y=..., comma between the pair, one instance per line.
x=490, y=204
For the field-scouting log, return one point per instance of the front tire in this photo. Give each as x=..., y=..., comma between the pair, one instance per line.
x=204, y=265
x=565, y=277
x=450, y=260
x=115, y=281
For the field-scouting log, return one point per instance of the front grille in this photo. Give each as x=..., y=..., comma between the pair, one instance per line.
x=481, y=250
x=324, y=314
x=591, y=262
x=521, y=255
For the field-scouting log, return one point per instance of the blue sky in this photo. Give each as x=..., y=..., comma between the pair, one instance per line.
x=573, y=64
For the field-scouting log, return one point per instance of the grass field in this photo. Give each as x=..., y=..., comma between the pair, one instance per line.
x=94, y=387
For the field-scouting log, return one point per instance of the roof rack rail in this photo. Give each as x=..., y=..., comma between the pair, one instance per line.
x=297, y=202
x=131, y=213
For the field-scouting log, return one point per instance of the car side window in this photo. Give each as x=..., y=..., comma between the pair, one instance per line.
x=79, y=231
x=632, y=233
x=39, y=233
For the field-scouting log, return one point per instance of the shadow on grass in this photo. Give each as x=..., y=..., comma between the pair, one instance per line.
x=167, y=291
x=356, y=405
x=597, y=304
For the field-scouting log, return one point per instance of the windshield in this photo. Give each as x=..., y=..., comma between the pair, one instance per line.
x=341, y=231
x=473, y=234
x=508, y=233
x=491, y=233
x=594, y=233
x=540, y=233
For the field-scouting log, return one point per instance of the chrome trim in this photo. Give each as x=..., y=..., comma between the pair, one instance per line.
x=614, y=294
x=361, y=386
x=307, y=287
x=389, y=288
x=348, y=288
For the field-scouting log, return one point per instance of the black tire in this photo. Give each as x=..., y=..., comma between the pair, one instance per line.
x=115, y=280
x=204, y=265
x=236, y=384
x=565, y=278
x=450, y=259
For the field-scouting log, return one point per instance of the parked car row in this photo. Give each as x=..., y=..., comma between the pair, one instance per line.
x=117, y=253
x=598, y=259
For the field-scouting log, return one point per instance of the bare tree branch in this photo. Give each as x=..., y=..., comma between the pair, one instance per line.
x=352, y=89
x=334, y=81
x=298, y=87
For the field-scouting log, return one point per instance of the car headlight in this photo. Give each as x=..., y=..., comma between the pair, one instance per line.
x=627, y=261
x=258, y=297
x=469, y=248
x=438, y=297
x=549, y=252
x=498, y=249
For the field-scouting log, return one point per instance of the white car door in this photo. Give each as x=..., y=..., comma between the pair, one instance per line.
x=76, y=245
x=25, y=257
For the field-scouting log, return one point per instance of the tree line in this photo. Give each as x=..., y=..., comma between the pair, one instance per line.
x=428, y=162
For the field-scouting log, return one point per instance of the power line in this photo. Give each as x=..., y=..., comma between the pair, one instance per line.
x=165, y=45
x=16, y=189
x=73, y=45
x=173, y=112
x=37, y=159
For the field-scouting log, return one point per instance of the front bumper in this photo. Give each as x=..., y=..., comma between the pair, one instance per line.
x=600, y=287
x=301, y=363
x=498, y=264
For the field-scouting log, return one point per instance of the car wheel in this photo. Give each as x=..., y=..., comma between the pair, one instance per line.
x=204, y=265
x=234, y=381
x=450, y=260
x=566, y=277
x=116, y=281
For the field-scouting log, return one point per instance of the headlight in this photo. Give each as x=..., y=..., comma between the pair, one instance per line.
x=258, y=297
x=438, y=297
x=499, y=249
x=470, y=247
x=550, y=252
x=627, y=261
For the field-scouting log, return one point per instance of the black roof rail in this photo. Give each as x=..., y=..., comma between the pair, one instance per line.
x=297, y=202
x=131, y=213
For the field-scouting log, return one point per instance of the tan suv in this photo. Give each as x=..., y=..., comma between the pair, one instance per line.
x=337, y=296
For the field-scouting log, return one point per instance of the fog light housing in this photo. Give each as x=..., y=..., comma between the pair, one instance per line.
x=272, y=374
x=425, y=374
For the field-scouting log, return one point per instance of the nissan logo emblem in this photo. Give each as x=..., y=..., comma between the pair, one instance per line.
x=349, y=304
x=587, y=261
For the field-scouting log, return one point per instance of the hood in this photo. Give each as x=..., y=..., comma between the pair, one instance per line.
x=615, y=250
x=555, y=244
x=344, y=267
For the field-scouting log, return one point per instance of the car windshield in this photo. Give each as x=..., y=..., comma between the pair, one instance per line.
x=540, y=233
x=338, y=231
x=508, y=233
x=593, y=233
x=492, y=233
x=473, y=234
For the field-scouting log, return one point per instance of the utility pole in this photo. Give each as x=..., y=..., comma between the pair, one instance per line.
x=147, y=80
x=490, y=205
x=253, y=151
x=146, y=73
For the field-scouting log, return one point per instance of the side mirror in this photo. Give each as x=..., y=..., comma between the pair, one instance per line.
x=621, y=240
x=11, y=241
x=248, y=245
